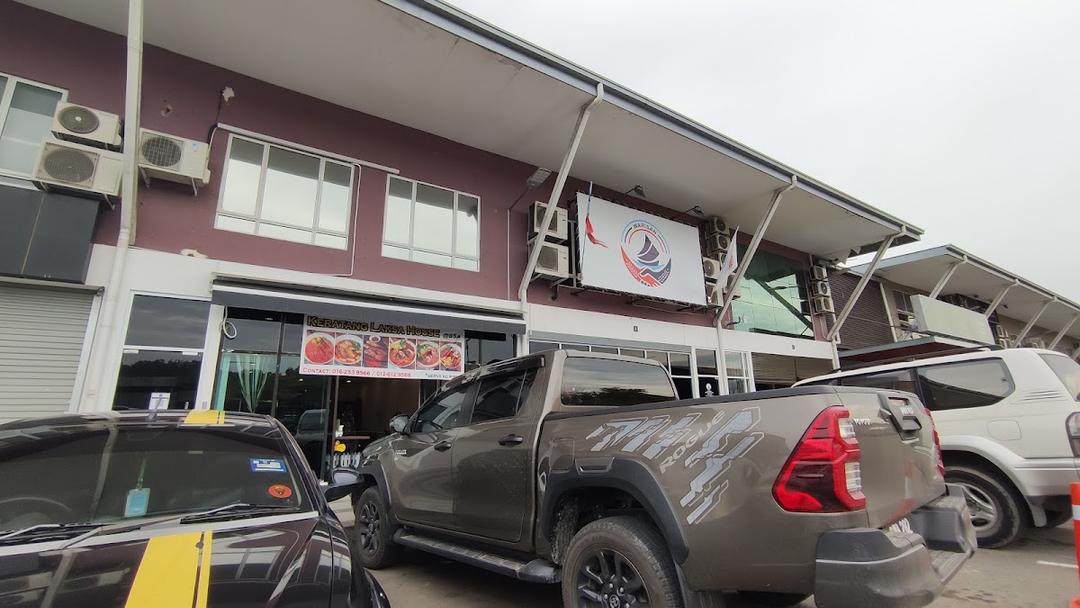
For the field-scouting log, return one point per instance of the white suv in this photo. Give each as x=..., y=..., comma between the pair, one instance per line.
x=1010, y=430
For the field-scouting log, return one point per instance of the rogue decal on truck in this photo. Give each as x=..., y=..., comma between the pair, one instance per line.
x=719, y=447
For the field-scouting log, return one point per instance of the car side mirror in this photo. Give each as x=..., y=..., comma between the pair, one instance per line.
x=400, y=424
x=344, y=481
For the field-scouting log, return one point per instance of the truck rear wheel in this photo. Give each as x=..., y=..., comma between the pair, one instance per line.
x=997, y=511
x=373, y=535
x=619, y=562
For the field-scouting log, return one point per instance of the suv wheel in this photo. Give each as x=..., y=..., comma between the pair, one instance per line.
x=372, y=532
x=619, y=562
x=996, y=511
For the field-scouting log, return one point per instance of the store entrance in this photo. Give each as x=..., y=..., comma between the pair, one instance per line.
x=362, y=410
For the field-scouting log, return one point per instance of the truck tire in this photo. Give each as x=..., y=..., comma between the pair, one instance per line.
x=619, y=561
x=997, y=512
x=373, y=534
x=772, y=599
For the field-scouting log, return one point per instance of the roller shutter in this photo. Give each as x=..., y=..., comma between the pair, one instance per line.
x=781, y=370
x=41, y=341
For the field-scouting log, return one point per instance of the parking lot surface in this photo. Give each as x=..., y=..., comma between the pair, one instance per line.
x=1037, y=572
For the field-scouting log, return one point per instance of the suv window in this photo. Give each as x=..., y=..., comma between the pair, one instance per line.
x=1067, y=370
x=965, y=384
x=896, y=379
x=588, y=381
x=500, y=396
x=443, y=412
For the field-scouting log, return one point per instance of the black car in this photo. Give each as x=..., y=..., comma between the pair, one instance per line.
x=163, y=508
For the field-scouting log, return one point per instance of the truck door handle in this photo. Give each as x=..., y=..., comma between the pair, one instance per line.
x=442, y=446
x=511, y=440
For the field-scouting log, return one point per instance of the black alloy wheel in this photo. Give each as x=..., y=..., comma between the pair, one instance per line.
x=367, y=527
x=608, y=579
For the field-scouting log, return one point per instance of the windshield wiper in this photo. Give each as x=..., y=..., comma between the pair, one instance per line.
x=45, y=530
x=233, y=510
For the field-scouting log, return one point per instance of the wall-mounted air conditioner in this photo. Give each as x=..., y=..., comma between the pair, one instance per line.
x=821, y=288
x=1035, y=343
x=173, y=158
x=1000, y=331
x=554, y=261
x=716, y=244
x=823, y=305
x=712, y=294
x=819, y=273
x=716, y=225
x=83, y=125
x=557, y=229
x=77, y=168
x=1004, y=342
x=711, y=266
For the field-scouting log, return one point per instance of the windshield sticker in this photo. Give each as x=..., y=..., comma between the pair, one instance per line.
x=137, y=501
x=267, y=465
x=279, y=490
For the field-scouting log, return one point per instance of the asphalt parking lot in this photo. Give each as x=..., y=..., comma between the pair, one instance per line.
x=1037, y=572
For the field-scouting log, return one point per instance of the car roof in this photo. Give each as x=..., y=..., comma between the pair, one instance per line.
x=234, y=421
x=967, y=356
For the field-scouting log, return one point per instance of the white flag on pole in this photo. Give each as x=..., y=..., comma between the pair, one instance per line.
x=730, y=263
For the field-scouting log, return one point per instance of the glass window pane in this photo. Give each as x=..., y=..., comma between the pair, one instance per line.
x=431, y=258
x=444, y=411
x=329, y=240
x=255, y=330
x=398, y=212
x=170, y=322
x=605, y=349
x=293, y=335
x=391, y=251
x=302, y=399
x=149, y=371
x=538, y=347
x=632, y=352
x=736, y=386
x=708, y=387
x=29, y=121
x=499, y=397
x=659, y=356
x=706, y=362
x=680, y=364
x=1067, y=370
x=684, y=388
x=967, y=384
x=285, y=234
x=462, y=264
x=467, y=223
x=735, y=362
x=897, y=380
x=242, y=173
x=225, y=222
x=334, y=201
x=432, y=219
x=245, y=383
x=292, y=181
x=588, y=381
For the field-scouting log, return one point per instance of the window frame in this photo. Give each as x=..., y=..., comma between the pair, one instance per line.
x=921, y=392
x=464, y=413
x=7, y=176
x=521, y=375
x=410, y=246
x=256, y=217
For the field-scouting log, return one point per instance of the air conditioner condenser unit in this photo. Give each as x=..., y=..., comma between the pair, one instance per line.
x=716, y=225
x=173, y=158
x=821, y=289
x=83, y=125
x=716, y=244
x=819, y=273
x=823, y=305
x=713, y=294
x=79, y=169
x=554, y=261
x=711, y=266
x=557, y=229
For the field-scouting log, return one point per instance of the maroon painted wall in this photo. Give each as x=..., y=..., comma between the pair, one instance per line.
x=180, y=97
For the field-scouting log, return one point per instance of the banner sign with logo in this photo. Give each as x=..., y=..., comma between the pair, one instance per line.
x=370, y=349
x=635, y=252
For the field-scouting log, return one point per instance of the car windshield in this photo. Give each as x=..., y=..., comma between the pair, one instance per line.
x=105, y=474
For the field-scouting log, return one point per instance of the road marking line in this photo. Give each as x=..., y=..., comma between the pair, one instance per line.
x=1058, y=564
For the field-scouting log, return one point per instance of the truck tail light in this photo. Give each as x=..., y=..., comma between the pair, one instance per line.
x=823, y=474
x=1072, y=425
x=937, y=444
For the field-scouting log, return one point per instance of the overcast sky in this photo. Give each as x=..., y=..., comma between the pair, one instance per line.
x=961, y=117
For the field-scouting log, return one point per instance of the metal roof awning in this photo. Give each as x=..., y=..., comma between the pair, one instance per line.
x=349, y=308
x=981, y=280
x=904, y=348
x=433, y=67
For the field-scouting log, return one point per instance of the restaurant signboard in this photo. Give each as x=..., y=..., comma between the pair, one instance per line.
x=371, y=349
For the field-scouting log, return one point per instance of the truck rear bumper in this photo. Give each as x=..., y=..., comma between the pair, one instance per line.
x=895, y=568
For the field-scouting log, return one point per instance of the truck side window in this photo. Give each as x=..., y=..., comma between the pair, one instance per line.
x=589, y=381
x=896, y=380
x=500, y=396
x=443, y=411
x=965, y=384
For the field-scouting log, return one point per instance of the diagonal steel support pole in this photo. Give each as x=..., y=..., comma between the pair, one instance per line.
x=1031, y=323
x=556, y=192
x=859, y=287
x=945, y=279
x=998, y=298
x=1064, y=330
x=752, y=249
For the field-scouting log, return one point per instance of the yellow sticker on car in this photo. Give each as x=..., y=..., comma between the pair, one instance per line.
x=205, y=417
x=174, y=572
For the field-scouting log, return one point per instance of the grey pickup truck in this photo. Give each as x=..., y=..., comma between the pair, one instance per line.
x=584, y=468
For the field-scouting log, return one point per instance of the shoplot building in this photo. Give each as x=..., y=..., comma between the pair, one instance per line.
x=944, y=298
x=375, y=164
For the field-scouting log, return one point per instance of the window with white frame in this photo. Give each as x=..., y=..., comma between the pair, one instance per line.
x=280, y=193
x=738, y=372
x=26, y=116
x=432, y=225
